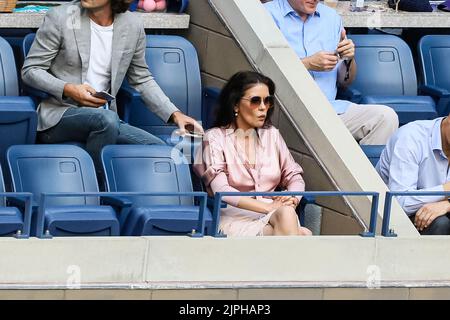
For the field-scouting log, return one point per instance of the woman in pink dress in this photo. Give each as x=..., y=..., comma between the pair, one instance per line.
x=244, y=152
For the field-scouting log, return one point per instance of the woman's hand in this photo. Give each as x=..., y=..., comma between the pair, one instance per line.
x=275, y=204
x=280, y=201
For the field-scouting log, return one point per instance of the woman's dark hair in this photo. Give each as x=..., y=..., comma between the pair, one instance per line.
x=234, y=90
x=120, y=6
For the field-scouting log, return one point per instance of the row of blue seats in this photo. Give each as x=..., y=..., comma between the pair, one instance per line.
x=149, y=192
x=386, y=75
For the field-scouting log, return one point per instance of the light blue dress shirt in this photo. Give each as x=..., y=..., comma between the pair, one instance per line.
x=320, y=32
x=414, y=160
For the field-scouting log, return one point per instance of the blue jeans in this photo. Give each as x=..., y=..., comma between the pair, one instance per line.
x=96, y=127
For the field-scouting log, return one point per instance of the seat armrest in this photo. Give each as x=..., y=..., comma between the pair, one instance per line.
x=307, y=199
x=434, y=91
x=16, y=104
x=126, y=98
x=349, y=94
x=210, y=203
x=30, y=91
x=129, y=92
x=120, y=202
x=20, y=202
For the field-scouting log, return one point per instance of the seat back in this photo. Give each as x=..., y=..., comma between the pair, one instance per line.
x=53, y=168
x=2, y=188
x=18, y=124
x=8, y=76
x=177, y=6
x=434, y=53
x=373, y=152
x=385, y=66
x=18, y=119
x=147, y=168
x=173, y=62
x=26, y=44
x=210, y=106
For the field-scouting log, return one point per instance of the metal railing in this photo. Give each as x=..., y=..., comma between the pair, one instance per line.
x=373, y=211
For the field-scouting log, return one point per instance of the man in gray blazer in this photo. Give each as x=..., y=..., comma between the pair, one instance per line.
x=84, y=47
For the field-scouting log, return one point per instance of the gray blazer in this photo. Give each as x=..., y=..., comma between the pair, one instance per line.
x=60, y=55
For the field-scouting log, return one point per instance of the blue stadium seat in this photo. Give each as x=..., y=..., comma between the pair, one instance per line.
x=150, y=169
x=12, y=220
x=18, y=119
x=434, y=53
x=209, y=107
x=373, y=152
x=8, y=81
x=35, y=94
x=174, y=64
x=386, y=75
x=41, y=169
x=177, y=6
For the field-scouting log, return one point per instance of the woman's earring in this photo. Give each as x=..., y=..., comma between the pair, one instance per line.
x=235, y=113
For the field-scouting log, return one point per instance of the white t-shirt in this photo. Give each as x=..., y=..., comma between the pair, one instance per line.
x=99, y=72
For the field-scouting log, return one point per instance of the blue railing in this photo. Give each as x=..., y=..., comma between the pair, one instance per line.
x=202, y=205
x=385, y=230
x=373, y=210
x=27, y=211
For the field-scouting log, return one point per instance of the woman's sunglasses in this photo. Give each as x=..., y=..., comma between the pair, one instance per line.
x=255, y=101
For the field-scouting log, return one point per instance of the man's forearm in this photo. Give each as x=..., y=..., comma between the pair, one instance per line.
x=413, y=203
x=42, y=80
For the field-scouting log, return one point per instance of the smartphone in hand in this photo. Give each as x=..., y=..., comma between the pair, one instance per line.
x=104, y=95
x=191, y=134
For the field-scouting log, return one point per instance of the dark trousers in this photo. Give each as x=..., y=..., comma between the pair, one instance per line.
x=440, y=226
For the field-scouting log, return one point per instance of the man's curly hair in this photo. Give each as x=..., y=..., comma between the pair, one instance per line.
x=120, y=6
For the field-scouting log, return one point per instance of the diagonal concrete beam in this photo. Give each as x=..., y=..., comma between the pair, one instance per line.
x=308, y=109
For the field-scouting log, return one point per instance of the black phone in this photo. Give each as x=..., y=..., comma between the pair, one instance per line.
x=104, y=95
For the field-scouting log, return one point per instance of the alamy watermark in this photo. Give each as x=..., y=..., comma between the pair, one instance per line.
x=374, y=277
x=74, y=279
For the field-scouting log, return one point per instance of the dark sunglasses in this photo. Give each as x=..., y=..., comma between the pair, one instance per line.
x=255, y=101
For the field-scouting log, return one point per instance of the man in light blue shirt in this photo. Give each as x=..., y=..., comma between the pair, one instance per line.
x=416, y=158
x=316, y=34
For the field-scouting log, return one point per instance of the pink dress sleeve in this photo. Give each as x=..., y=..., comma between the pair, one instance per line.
x=291, y=171
x=213, y=170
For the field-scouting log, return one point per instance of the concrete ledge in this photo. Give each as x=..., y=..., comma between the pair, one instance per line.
x=379, y=15
x=153, y=20
x=156, y=263
x=233, y=294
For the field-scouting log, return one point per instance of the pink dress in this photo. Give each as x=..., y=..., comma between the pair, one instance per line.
x=224, y=167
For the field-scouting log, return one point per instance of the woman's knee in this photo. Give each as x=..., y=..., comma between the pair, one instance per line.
x=285, y=216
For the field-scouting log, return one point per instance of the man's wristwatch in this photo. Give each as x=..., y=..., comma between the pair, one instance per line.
x=347, y=69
